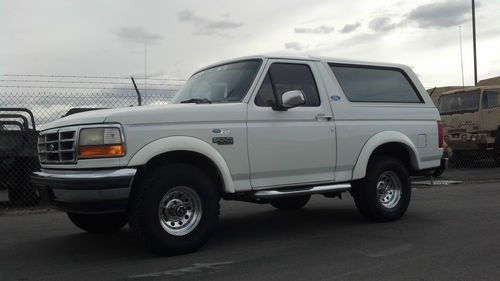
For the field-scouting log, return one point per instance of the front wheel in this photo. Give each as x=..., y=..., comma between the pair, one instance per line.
x=100, y=223
x=384, y=194
x=174, y=209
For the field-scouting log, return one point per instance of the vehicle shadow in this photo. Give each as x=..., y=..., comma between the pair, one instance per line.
x=261, y=226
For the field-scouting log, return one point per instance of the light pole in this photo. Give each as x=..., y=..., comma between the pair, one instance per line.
x=474, y=40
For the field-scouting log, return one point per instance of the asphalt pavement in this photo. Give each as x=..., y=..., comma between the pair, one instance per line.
x=449, y=233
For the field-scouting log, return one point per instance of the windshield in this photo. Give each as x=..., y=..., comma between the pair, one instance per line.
x=460, y=102
x=223, y=83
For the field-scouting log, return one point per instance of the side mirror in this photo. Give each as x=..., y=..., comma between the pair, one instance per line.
x=292, y=99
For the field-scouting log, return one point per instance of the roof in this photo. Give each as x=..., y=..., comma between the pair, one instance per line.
x=304, y=57
x=489, y=82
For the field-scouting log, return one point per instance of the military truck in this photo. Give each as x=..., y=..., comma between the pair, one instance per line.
x=471, y=120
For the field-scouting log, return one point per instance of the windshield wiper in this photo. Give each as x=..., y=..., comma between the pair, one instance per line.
x=195, y=100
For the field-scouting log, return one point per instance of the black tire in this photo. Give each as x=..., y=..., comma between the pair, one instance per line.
x=162, y=186
x=366, y=196
x=496, y=149
x=290, y=203
x=437, y=173
x=496, y=156
x=99, y=223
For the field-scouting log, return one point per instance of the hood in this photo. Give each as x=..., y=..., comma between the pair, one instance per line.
x=88, y=117
x=151, y=114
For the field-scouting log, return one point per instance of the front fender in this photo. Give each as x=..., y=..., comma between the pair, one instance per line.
x=377, y=140
x=184, y=143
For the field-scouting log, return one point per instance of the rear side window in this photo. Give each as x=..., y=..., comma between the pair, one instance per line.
x=375, y=84
x=284, y=77
x=491, y=99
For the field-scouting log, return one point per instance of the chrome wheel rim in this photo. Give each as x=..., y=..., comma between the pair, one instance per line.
x=389, y=189
x=180, y=210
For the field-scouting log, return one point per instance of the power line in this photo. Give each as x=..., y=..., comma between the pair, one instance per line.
x=89, y=77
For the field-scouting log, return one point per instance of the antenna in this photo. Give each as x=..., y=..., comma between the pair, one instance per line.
x=145, y=73
x=461, y=55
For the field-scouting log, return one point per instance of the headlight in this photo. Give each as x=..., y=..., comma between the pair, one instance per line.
x=100, y=142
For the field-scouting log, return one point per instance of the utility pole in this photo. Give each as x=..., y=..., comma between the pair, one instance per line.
x=461, y=56
x=474, y=39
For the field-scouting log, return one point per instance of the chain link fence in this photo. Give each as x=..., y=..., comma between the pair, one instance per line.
x=472, y=136
x=28, y=107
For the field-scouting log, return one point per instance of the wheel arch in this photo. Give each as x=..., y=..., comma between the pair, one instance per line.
x=189, y=150
x=391, y=143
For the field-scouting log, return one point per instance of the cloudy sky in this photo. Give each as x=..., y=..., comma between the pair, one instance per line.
x=107, y=37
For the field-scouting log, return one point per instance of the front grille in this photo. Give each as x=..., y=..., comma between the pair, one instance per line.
x=57, y=147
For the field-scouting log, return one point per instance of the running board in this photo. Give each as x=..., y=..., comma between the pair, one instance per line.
x=289, y=192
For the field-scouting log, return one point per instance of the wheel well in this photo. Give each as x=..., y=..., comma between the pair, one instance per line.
x=396, y=150
x=187, y=157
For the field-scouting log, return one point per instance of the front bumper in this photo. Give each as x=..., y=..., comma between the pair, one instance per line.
x=85, y=191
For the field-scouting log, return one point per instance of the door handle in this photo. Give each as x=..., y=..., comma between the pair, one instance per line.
x=323, y=117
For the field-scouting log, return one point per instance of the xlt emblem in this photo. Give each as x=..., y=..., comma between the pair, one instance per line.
x=223, y=140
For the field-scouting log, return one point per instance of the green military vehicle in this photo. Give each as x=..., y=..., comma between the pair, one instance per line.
x=471, y=121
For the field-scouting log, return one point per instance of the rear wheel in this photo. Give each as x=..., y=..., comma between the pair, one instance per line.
x=175, y=209
x=384, y=194
x=100, y=223
x=290, y=203
x=496, y=149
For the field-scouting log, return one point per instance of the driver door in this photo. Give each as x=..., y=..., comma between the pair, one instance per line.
x=294, y=146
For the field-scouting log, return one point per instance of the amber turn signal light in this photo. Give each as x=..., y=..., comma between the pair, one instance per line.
x=101, y=150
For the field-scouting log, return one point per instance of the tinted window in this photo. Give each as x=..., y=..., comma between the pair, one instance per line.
x=223, y=83
x=492, y=98
x=284, y=77
x=369, y=84
x=265, y=97
x=460, y=102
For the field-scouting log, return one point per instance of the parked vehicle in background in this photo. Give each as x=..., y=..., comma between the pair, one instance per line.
x=471, y=120
x=18, y=154
x=263, y=129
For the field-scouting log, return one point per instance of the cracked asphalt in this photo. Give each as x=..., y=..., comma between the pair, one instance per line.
x=449, y=233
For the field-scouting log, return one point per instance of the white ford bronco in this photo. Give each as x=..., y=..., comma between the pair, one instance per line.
x=263, y=129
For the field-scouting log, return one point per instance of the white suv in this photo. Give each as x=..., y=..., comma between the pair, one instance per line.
x=264, y=129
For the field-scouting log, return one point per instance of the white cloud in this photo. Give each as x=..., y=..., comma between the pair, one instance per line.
x=137, y=34
x=348, y=28
x=205, y=26
x=322, y=29
x=296, y=46
x=87, y=38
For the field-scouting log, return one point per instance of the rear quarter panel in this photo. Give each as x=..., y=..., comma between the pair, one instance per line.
x=357, y=122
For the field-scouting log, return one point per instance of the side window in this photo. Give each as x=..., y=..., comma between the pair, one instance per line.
x=375, y=84
x=283, y=77
x=265, y=96
x=492, y=99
